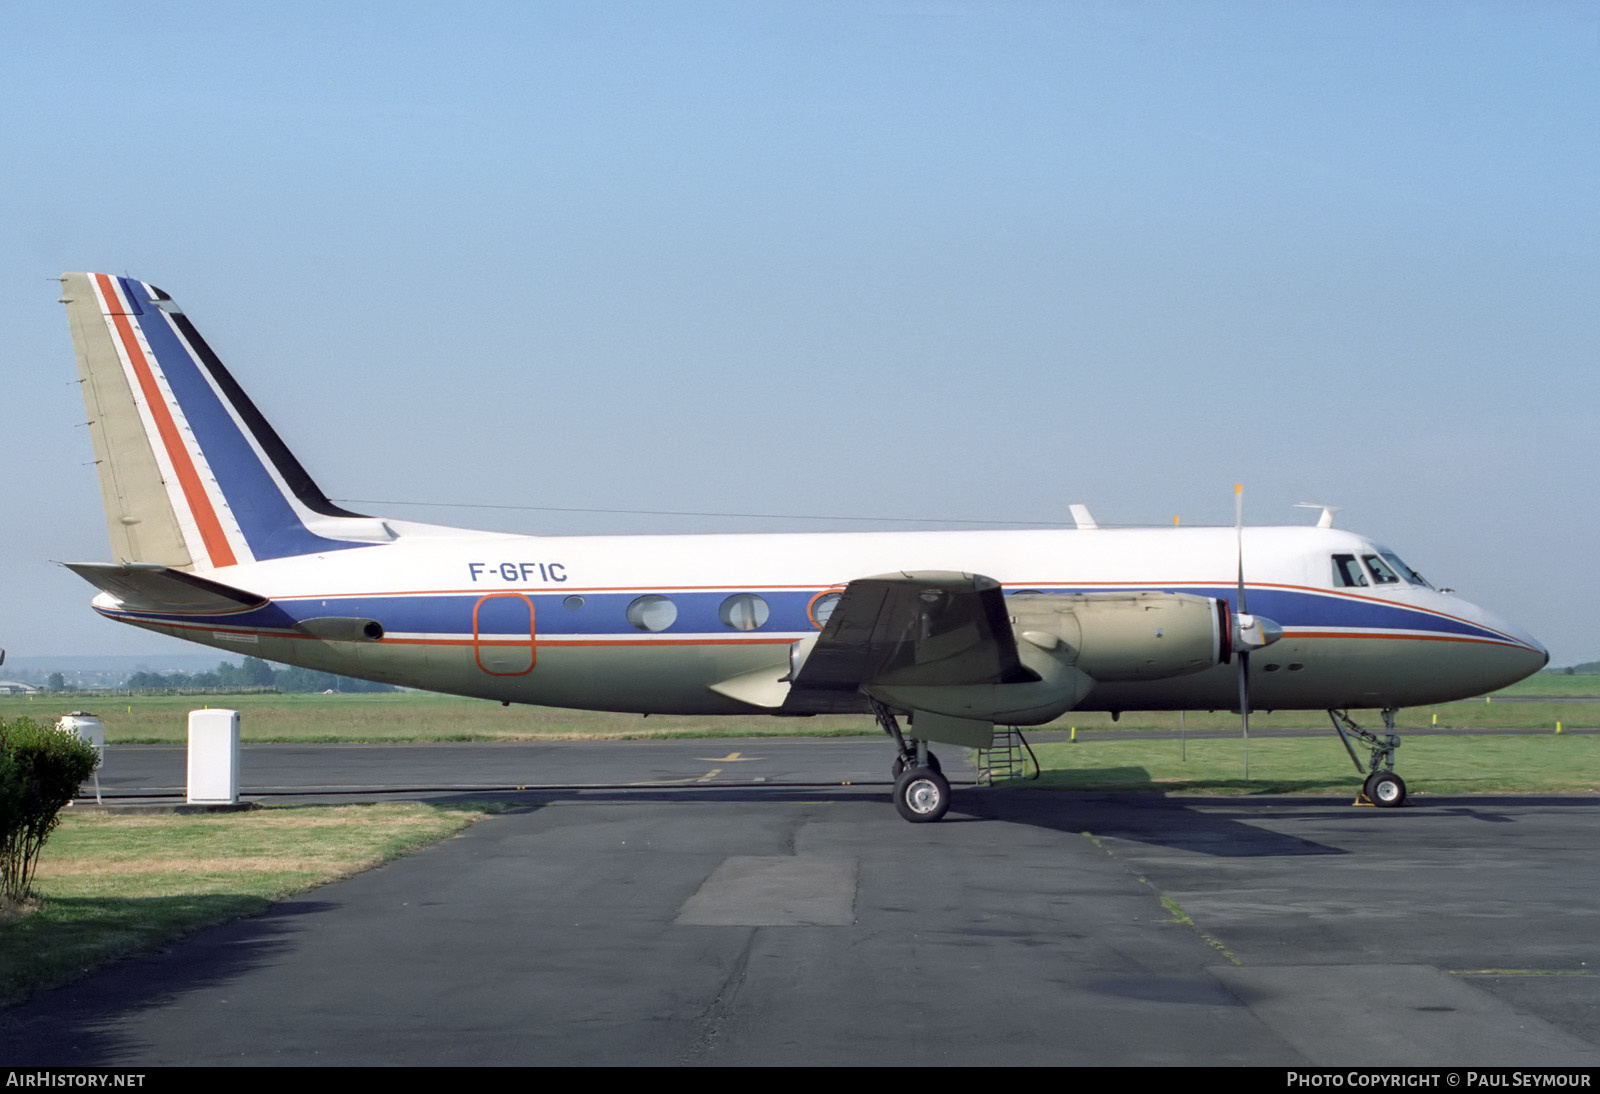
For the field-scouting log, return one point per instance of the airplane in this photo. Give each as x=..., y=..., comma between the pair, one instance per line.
x=221, y=537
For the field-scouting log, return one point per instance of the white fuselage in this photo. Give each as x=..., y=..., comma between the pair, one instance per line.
x=561, y=622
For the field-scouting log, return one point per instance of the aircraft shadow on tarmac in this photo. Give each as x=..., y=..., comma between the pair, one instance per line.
x=1142, y=817
x=76, y=1025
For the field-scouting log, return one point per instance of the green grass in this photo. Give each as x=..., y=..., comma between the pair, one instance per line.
x=1319, y=765
x=402, y=716
x=1557, y=683
x=423, y=716
x=111, y=885
x=1471, y=714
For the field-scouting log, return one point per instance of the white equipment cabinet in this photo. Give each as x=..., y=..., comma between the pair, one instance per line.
x=213, y=757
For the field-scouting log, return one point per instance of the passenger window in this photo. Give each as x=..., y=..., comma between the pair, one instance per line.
x=744, y=611
x=652, y=613
x=822, y=607
x=1380, y=570
x=1347, y=573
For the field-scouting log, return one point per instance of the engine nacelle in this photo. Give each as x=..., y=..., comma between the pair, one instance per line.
x=1115, y=637
x=1059, y=688
x=1068, y=643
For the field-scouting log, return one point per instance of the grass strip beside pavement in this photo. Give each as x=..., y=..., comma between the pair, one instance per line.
x=411, y=716
x=423, y=716
x=1545, y=764
x=110, y=885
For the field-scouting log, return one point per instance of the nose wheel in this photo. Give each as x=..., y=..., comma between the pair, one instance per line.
x=1382, y=787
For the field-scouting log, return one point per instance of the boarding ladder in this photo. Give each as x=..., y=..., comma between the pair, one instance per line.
x=1007, y=758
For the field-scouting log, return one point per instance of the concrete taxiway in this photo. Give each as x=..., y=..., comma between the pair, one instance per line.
x=788, y=918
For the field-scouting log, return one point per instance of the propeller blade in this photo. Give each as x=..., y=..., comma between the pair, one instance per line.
x=1238, y=532
x=1244, y=707
x=1244, y=653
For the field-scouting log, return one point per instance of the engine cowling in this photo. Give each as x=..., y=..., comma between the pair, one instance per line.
x=1068, y=643
x=1059, y=688
x=1116, y=637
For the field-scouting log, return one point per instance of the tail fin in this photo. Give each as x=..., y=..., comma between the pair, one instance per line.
x=191, y=474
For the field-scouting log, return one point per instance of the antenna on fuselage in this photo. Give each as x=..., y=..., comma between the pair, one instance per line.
x=1085, y=519
x=1326, y=519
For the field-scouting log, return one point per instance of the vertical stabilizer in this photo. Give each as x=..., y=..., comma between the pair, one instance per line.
x=191, y=475
x=139, y=518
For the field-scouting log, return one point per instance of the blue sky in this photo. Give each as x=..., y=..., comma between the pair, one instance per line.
x=886, y=260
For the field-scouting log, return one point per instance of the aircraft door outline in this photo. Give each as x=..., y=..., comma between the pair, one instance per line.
x=497, y=635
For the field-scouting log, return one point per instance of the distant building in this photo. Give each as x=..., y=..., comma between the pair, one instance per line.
x=14, y=687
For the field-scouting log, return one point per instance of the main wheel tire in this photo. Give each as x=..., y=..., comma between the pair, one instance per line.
x=1385, y=789
x=921, y=795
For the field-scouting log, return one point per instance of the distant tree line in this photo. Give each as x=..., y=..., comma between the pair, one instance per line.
x=253, y=673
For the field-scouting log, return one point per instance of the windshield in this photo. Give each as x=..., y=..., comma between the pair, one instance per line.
x=1380, y=567
x=1402, y=569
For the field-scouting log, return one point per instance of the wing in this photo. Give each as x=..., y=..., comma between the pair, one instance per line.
x=914, y=629
x=906, y=630
x=945, y=645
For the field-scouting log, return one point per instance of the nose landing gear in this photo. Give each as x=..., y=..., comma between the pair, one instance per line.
x=1382, y=787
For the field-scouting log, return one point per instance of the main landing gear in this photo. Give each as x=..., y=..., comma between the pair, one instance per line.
x=921, y=792
x=1382, y=787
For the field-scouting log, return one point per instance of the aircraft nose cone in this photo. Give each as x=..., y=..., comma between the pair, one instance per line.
x=1521, y=656
x=1530, y=660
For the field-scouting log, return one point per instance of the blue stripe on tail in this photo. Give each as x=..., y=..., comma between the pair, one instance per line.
x=271, y=527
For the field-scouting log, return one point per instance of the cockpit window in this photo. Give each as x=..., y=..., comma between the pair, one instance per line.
x=1385, y=567
x=1403, y=570
x=1380, y=570
x=1347, y=572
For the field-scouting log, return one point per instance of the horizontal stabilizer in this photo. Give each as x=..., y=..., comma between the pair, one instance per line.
x=151, y=587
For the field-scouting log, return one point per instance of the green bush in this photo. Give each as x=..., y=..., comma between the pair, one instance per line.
x=40, y=770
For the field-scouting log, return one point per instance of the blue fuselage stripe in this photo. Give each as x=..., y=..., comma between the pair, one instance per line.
x=450, y=615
